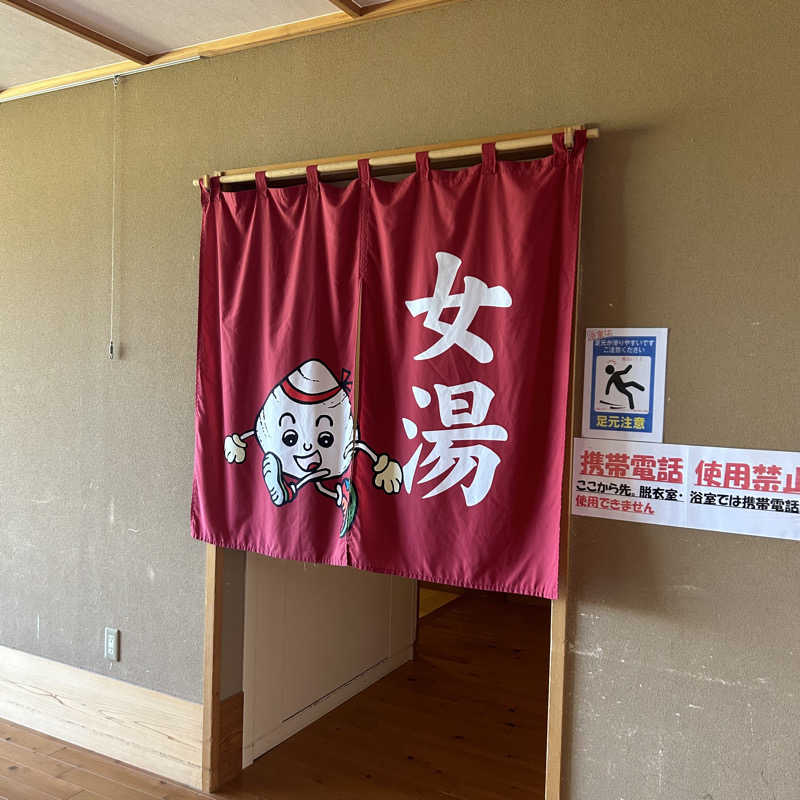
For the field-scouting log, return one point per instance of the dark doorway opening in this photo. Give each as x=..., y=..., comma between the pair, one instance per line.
x=467, y=718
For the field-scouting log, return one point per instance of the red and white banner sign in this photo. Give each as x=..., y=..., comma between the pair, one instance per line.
x=744, y=491
x=445, y=461
x=754, y=492
x=631, y=481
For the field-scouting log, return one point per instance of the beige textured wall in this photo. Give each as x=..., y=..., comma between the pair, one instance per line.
x=95, y=466
x=685, y=645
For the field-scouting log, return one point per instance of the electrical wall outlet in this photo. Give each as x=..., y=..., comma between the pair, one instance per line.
x=112, y=644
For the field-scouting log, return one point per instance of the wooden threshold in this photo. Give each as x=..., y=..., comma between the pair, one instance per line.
x=229, y=44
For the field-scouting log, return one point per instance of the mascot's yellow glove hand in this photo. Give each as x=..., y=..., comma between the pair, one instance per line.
x=388, y=474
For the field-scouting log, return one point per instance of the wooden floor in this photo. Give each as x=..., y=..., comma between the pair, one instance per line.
x=466, y=720
x=37, y=767
x=432, y=598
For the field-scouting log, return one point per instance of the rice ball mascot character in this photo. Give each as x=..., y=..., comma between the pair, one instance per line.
x=305, y=429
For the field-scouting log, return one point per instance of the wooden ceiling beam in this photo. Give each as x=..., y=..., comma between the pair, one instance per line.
x=229, y=44
x=76, y=29
x=350, y=7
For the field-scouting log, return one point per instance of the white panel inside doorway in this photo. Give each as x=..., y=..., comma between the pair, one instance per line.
x=316, y=635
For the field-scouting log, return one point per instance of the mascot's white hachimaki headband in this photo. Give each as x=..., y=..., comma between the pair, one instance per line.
x=311, y=384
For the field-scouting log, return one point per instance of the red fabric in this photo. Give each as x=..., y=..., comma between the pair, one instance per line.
x=277, y=289
x=466, y=282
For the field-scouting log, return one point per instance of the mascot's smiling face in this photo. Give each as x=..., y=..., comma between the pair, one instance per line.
x=307, y=422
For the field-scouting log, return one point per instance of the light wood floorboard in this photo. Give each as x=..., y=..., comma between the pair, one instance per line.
x=466, y=720
x=35, y=766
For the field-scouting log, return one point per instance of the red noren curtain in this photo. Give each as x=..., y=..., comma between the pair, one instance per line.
x=454, y=291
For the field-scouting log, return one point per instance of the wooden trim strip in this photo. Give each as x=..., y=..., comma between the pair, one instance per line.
x=144, y=728
x=76, y=29
x=230, y=44
x=294, y=30
x=560, y=606
x=231, y=713
x=398, y=160
x=349, y=7
x=212, y=657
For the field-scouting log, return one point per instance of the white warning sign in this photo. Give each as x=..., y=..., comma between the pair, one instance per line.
x=623, y=395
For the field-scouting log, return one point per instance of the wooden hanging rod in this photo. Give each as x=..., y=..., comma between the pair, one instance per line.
x=393, y=161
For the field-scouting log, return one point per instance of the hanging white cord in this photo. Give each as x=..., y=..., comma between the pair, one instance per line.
x=113, y=216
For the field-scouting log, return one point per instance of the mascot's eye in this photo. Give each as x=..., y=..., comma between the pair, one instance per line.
x=325, y=439
x=289, y=438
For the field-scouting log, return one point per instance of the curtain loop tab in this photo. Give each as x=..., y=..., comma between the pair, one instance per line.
x=261, y=181
x=312, y=177
x=203, y=183
x=424, y=166
x=489, y=158
x=580, y=140
x=558, y=144
x=363, y=170
x=214, y=186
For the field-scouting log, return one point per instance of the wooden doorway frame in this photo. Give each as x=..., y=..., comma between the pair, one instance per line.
x=212, y=660
x=220, y=761
x=559, y=608
x=222, y=720
x=558, y=641
x=214, y=716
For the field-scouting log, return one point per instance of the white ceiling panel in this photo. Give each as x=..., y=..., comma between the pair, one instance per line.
x=31, y=50
x=154, y=26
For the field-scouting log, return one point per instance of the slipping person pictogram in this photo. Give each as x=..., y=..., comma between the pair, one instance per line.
x=622, y=386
